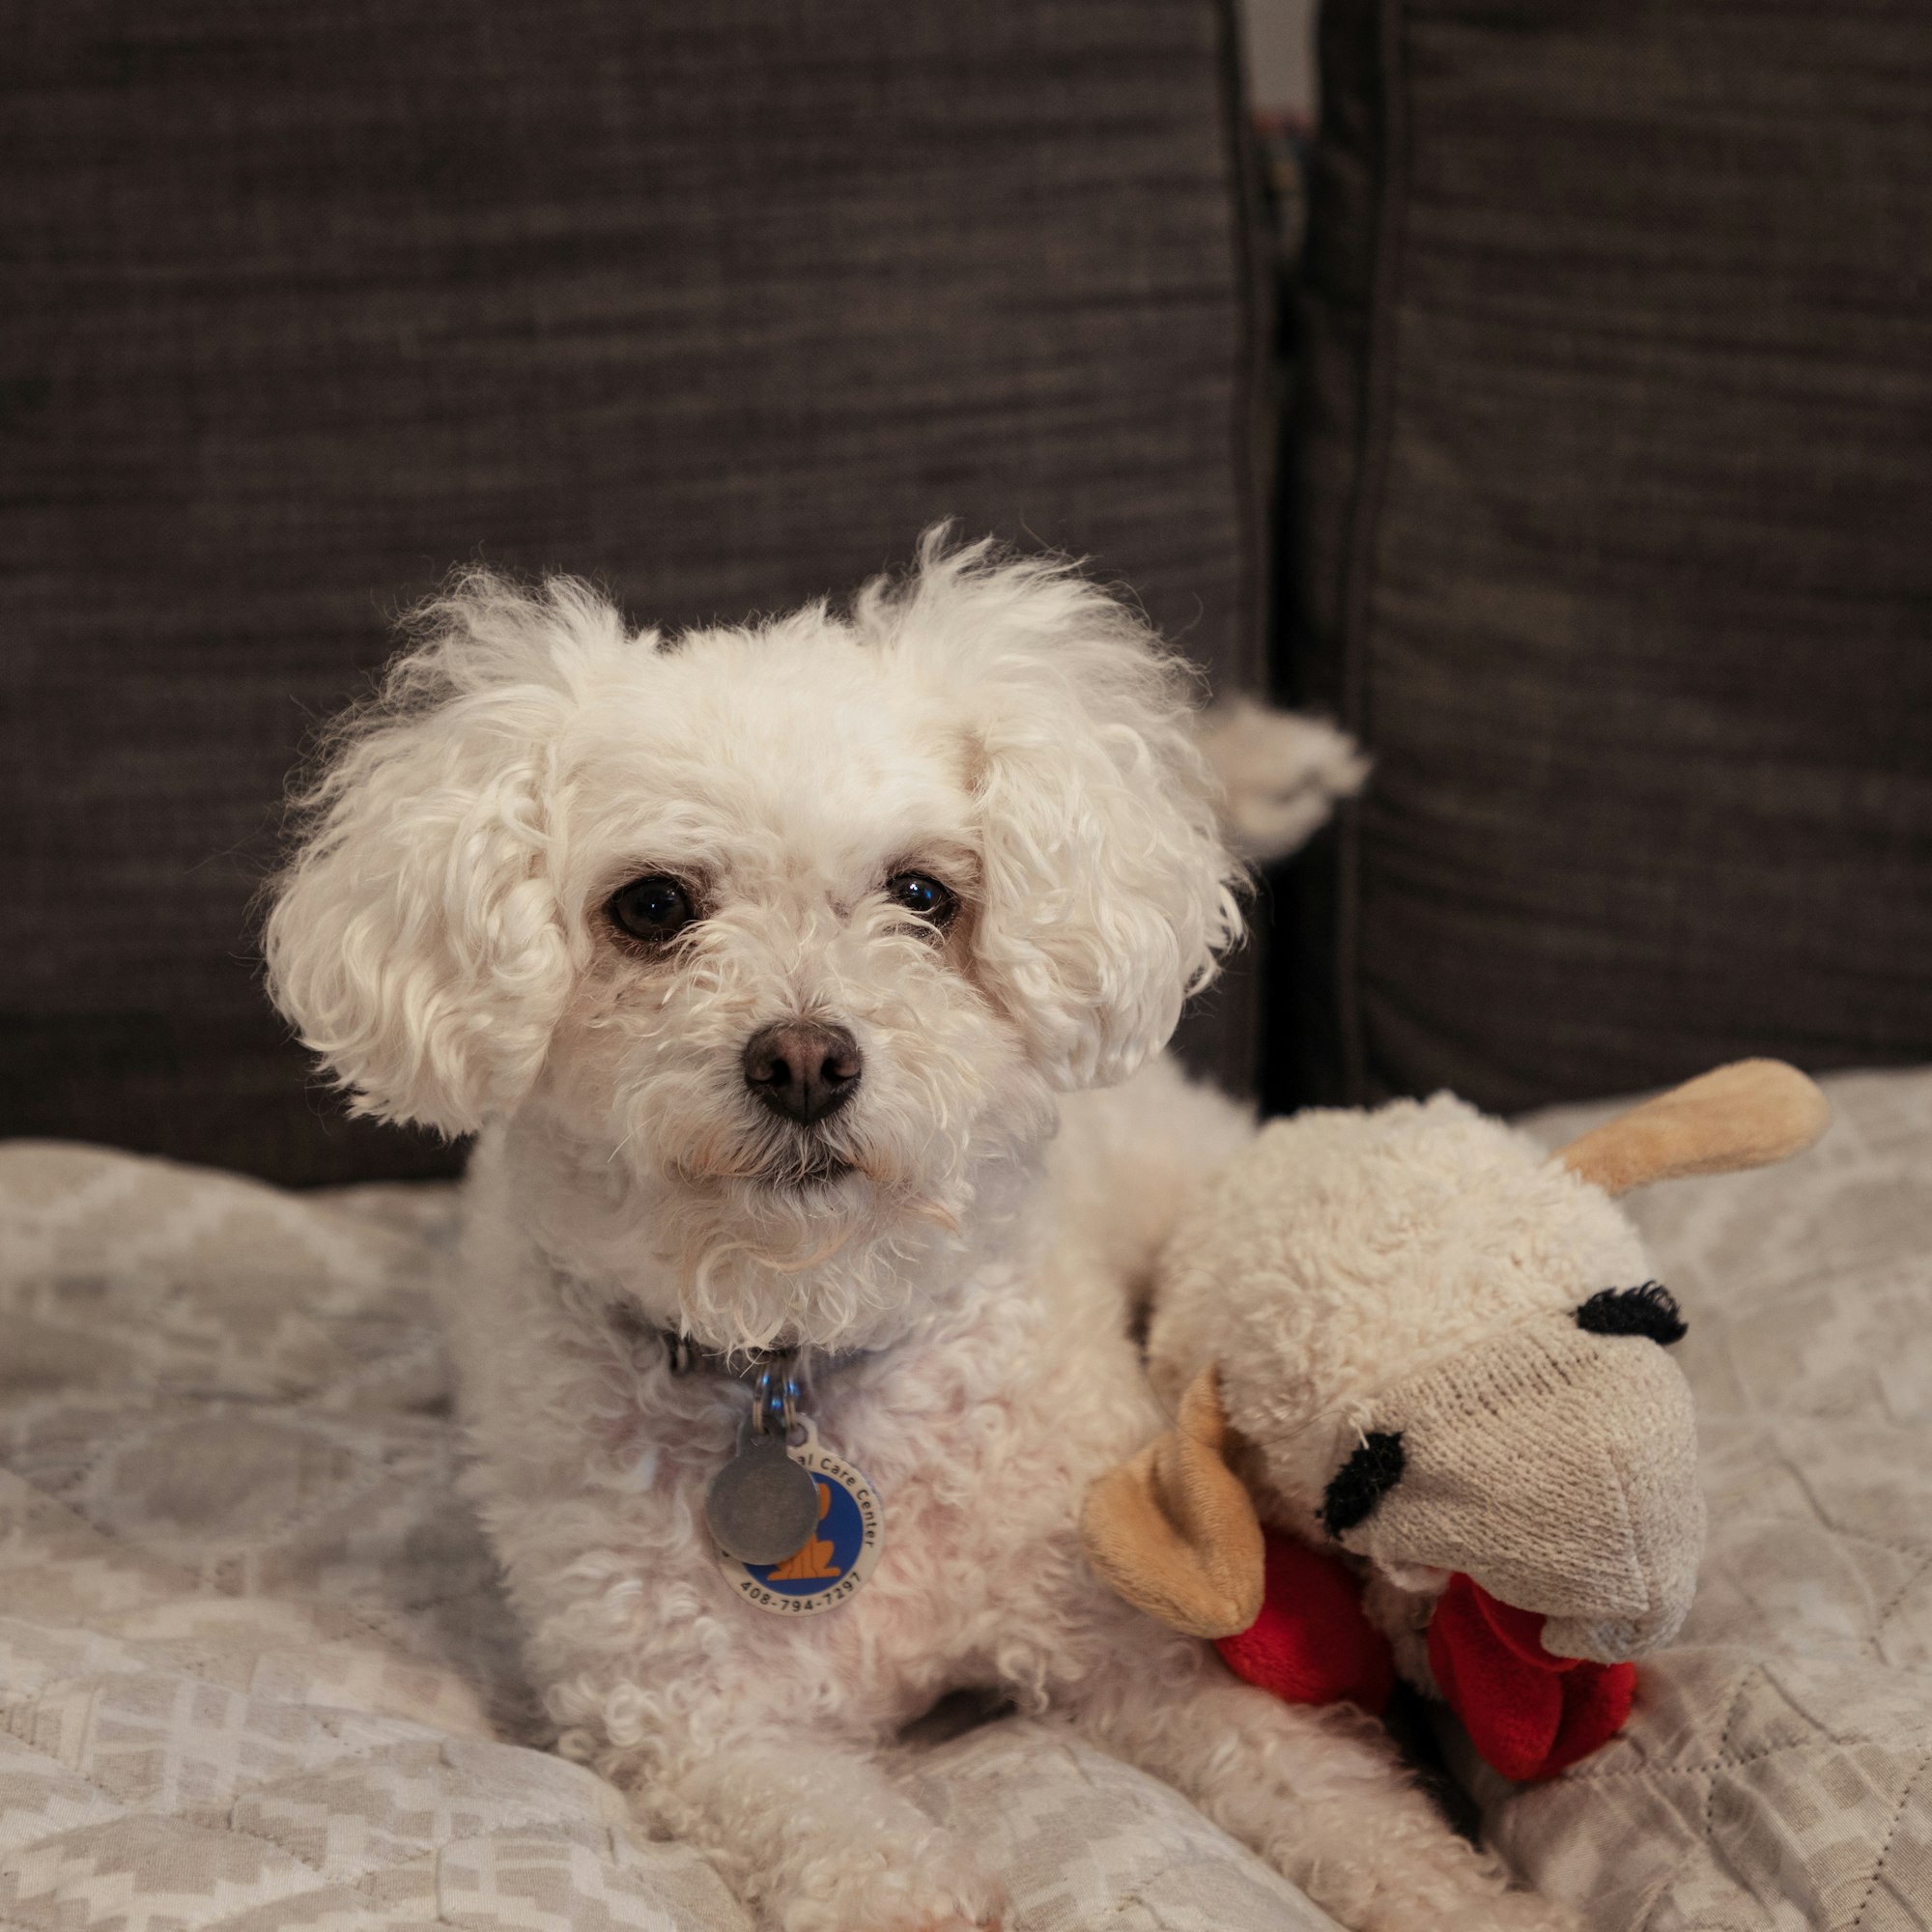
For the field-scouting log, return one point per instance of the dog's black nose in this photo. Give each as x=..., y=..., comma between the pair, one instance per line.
x=803, y=1069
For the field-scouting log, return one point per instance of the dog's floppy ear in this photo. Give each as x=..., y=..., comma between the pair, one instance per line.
x=414, y=939
x=1107, y=890
x=1174, y=1530
x=1750, y=1114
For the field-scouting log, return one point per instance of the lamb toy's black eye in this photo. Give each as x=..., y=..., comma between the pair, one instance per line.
x=1363, y=1481
x=920, y=893
x=653, y=908
x=1649, y=1310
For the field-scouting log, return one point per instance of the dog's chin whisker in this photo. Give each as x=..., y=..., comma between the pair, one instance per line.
x=801, y=1165
x=709, y=1158
x=936, y=1213
x=698, y=1171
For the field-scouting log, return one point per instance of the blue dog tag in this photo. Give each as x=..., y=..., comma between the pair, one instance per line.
x=832, y=1562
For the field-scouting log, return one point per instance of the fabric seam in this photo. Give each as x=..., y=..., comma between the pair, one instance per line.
x=1252, y=415
x=1373, y=440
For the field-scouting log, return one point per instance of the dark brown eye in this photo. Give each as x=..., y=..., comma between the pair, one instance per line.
x=653, y=908
x=918, y=892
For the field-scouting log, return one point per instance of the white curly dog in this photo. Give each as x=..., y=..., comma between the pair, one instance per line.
x=765, y=961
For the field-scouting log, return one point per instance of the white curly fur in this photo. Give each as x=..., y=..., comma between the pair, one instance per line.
x=441, y=941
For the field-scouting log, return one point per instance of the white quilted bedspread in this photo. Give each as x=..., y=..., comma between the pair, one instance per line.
x=254, y=1672
x=1776, y=1772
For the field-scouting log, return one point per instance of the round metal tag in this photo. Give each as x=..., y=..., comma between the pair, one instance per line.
x=829, y=1567
x=760, y=1506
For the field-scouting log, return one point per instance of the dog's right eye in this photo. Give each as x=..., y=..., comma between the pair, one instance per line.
x=653, y=908
x=920, y=893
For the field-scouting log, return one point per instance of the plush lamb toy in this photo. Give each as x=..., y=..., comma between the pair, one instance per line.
x=1432, y=1361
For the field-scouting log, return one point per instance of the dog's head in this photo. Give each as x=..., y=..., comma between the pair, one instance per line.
x=789, y=932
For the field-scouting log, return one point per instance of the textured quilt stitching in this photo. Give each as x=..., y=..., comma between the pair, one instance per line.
x=520, y=1818
x=1891, y=1833
x=329, y=1725
x=202, y=1588
x=1652, y=1768
x=73, y=1771
x=1896, y=1601
x=1662, y=1893
x=366, y=1881
x=97, y=1450
x=524, y=1818
x=368, y=1374
x=1731, y=1708
x=402, y=1613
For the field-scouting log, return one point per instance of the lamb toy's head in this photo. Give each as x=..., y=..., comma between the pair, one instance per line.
x=1411, y=1335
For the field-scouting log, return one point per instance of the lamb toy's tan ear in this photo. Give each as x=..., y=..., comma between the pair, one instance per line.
x=1750, y=1114
x=1173, y=1531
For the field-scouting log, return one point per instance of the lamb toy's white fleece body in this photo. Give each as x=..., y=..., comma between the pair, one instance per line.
x=958, y=851
x=1418, y=1271
x=1413, y=1336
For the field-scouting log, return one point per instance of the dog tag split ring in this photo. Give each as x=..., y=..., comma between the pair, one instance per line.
x=761, y=1506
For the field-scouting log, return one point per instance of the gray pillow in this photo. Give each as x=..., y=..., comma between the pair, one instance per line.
x=717, y=303
x=1616, y=482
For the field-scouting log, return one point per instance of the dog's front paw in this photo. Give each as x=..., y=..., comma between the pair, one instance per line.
x=922, y=1881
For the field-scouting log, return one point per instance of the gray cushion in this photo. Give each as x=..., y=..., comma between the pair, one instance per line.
x=719, y=304
x=1617, y=473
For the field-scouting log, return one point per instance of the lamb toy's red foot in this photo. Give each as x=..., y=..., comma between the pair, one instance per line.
x=1313, y=1643
x=1527, y=1713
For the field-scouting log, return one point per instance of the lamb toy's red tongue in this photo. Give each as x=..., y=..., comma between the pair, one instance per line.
x=1529, y=1714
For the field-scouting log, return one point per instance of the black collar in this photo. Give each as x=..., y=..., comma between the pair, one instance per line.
x=751, y=1366
x=683, y=1357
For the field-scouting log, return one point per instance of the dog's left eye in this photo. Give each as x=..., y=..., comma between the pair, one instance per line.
x=652, y=908
x=918, y=892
